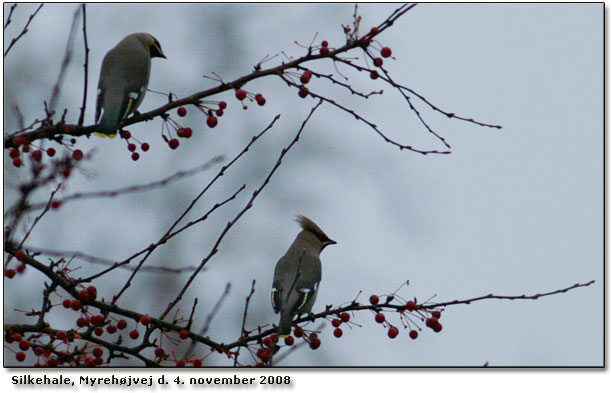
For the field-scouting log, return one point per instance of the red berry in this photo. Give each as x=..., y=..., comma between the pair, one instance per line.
x=219, y=112
x=50, y=152
x=122, y=324
x=25, y=148
x=24, y=345
x=92, y=292
x=267, y=341
x=324, y=43
x=374, y=75
x=144, y=146
x=111, y=329
x=393, y=332
x=134, y=334
x=431, y=322
x=303, y=92
x=97, y=352
x=374, y=299
x=261, y=101
x=385, y=52
x=17, y=337
x=183, y=334
x=211, y=121
x=97, y=320
x=181, y=111
x=437, y=328
x=125, y=134
x=61, y=335
x=298, y=331
x=99, y=331
x=135, y=156
x=77, y=154
x=436, y=314
x=39, y=351
x=20, y=255
x=264, y=354
x=222, y=105
x=131, y=147
x=75, y=304
x=410, y=305
x=37, y=155
x=173, y=143
x=56, y=204
x=17, y=161
x=338, y=332
x=66, y=172
x=14, y=153
x=414, y=334
x=305, y=78
x=380, y=318
x=241, y=94
x=324, y=51
x=66, y=303
x=20, y=356
x=159, y=352
x=289, y=340
x=9, y=273
x=374, y=31
x=19, y=140
x=145, y=320
x=378, y=62
x=336, y=322
x=315, y=343
x=81, y=322
x=345, y=317
x=20, y=268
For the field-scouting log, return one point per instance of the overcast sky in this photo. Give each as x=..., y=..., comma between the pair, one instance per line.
x=510, y=212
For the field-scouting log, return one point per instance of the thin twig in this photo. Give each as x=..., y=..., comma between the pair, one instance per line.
x=65, y=63
x=244, y=317
x=8, y=18
x=85, y=66
x=137, y=188
x=25, y=28
x=210, y=317
x=108, y=262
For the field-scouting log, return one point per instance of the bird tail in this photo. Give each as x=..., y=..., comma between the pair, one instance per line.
x=108, y=125
x=284, y=325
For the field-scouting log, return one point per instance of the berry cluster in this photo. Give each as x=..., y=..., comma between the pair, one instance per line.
x=408, y=311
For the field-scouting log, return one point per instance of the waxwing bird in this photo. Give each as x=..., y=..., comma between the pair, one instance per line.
x=298, y=273
x=124, y=78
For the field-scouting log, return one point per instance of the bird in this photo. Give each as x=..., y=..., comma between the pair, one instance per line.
x=124, y=78
x=297, y=274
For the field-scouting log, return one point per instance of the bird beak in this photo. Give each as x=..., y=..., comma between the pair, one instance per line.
x=330, y=242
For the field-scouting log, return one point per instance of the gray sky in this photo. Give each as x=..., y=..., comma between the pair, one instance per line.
x=512, y=211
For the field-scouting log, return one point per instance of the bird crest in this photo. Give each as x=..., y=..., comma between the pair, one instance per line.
x=308, y=225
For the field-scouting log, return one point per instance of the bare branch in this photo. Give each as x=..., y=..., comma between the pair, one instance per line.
x=138, y=188
x=25, y=28
x=65, y=63
x=240, y=213
x=85, y=66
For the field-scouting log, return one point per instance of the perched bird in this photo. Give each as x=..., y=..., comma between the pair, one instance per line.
x=124, y=78
x=298, y=273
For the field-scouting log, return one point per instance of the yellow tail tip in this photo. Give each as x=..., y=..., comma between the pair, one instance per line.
x=101, y=135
